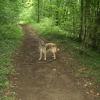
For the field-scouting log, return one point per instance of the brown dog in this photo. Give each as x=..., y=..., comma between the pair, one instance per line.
x=48, y=47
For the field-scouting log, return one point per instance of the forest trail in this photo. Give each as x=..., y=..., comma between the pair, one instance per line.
x=43, y=80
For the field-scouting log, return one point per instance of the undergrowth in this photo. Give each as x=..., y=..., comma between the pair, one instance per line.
x=10, y=39
x=89, y=57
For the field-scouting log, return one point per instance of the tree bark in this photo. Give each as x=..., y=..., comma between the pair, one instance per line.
x=81, y=24
x=38, y=13
x=57, y=13
x=88, y=22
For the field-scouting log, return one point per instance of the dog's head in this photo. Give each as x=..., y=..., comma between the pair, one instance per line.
x=42, y=43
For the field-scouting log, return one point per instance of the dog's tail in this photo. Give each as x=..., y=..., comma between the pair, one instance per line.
x=57, y=49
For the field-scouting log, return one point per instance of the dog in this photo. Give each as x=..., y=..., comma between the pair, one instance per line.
x=44, y=48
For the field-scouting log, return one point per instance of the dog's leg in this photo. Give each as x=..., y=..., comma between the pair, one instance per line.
x=54, y=55
x=40, y=56
x=44, y=55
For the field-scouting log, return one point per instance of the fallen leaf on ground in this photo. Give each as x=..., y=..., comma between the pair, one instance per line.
x=87, y=92
x=91, y=91
x=54, y=69
x=98, y=94
x=85, y=85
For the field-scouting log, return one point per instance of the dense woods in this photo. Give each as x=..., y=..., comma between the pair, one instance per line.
x=78, y=17
x=78, y=20
x=10, y=39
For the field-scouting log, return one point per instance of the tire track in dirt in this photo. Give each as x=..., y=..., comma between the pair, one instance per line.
x=42, y=80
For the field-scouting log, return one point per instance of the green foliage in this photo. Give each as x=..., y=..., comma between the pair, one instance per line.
x=47, y=28
x=9, y=11
x=10, y=39
x=27, y=15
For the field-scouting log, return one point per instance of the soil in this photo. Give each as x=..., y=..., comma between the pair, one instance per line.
x=43, y=80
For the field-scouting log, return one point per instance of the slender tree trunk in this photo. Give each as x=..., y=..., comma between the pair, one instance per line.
x=74, y=25
x=57, y=13
x=88, y=22
x=50, y=9
x=81, y=24
x=38, y=13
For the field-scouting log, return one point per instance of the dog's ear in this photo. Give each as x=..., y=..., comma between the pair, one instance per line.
x=43, y=39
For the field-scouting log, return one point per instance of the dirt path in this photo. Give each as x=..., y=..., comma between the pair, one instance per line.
x=43, y=80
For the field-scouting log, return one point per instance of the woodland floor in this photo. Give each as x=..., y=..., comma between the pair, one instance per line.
x=44, y=80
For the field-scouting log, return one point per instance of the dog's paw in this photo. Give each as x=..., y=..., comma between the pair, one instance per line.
x=44, y=58
x=39, y=59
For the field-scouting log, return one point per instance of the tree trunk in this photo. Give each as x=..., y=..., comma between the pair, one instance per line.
x=88, y=22
x=57, y=13
x=38, y=13
x=81, y=24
